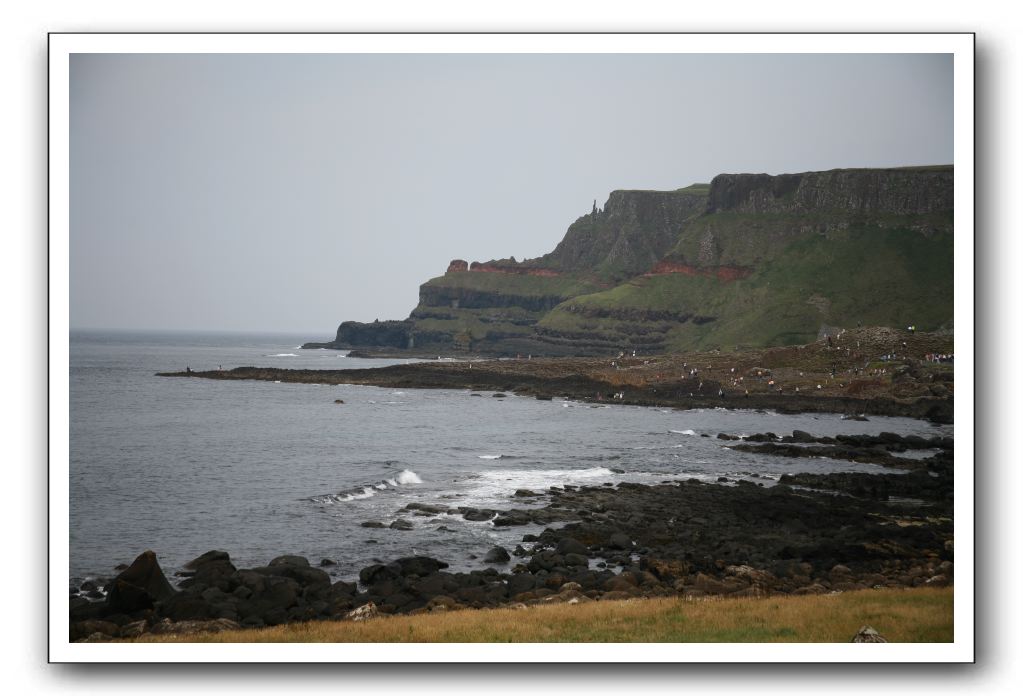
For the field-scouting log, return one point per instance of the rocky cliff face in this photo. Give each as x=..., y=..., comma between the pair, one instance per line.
x=845, y=191
x=751, y=259
x=632, y=232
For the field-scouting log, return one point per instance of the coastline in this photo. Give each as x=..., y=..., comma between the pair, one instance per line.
x=872, y=371
x=808, y=535
x=811, y=534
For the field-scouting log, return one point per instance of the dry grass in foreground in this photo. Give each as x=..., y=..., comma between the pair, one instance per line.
x=917, y=615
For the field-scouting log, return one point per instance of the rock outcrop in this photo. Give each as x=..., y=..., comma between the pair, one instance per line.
x=908, y=191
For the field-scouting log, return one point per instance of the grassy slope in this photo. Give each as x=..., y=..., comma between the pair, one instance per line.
x=918, y=615
x=865, y=274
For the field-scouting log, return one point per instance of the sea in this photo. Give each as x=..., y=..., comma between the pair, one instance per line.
x=262, y=469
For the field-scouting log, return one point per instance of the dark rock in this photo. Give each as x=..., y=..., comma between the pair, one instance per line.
x=207, y=558
x=512, y=518
x=296, y=561
x=139, y=586
x=376, y=573
x=570, y=545
x=419, y=565
x=186, y=607
x=475, y=515
x=498, y=554
x=275, y=616
x=372, y=524
x=424, y=507
x=545, y=560
x=402, y=524
x=324, y=562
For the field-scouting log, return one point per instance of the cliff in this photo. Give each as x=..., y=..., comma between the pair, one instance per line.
x=906, y=191
x=749, y=260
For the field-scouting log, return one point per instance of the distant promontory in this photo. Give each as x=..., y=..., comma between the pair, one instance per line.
x=747, y=261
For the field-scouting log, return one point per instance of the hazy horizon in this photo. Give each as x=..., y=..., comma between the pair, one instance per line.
x=283, y=194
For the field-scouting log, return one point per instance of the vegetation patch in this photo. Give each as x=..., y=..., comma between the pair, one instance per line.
x=916, y=615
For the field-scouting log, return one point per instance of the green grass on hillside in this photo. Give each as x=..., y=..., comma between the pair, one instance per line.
x=867, y=275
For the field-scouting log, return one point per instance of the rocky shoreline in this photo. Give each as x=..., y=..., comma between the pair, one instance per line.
x=874, y=371
x=810, y=534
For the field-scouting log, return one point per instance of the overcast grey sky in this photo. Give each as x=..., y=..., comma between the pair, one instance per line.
x=292, y=192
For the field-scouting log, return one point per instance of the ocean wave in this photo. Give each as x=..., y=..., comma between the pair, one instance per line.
x=404, y=478
x=492, y=486
x=281, y=355
x=490, y=456
x=408, y=476
x=683, y=432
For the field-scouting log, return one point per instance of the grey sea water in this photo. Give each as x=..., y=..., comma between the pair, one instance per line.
x=260, y=469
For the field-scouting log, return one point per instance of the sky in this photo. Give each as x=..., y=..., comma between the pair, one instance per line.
x=288, y=193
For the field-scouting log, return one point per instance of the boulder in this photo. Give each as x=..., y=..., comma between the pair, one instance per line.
x=212, y=572
x=402, y=524
x=521, y=582
x=206, y=558
x=365, y=612
x=570, y=545
x=545, y=560
x=186, y=606
x=139, y=586
x=576, y=560
x=620, y=541
x=306, y=576
x=370, y=575
x=424, y=507
x=498, y=554
x=866, y=634
x=419, y=565
x=295, y=561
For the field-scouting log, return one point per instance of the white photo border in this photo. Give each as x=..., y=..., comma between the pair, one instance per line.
x=62, y=45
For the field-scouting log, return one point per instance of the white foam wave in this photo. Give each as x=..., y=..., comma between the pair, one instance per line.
x=683, y=432
x=404, y=478
x=489, y=487
x=490, y=456
x=407, y=476
x=282, y=355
